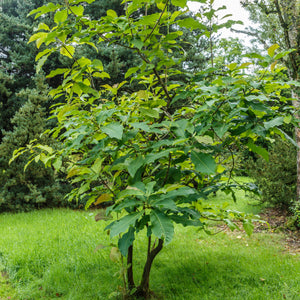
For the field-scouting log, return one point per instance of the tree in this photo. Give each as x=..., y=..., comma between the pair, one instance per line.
x=37, y=187
x=15, y=57
x=285, y=30
x=158, y=151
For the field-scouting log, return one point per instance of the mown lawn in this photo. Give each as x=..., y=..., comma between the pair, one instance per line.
x=50, y=254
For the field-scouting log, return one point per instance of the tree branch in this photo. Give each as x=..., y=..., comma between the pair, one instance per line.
x=256, y=35
x=156, y=24
x=285, y=27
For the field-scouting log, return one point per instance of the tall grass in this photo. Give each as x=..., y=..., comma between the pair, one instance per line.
x=51, y=254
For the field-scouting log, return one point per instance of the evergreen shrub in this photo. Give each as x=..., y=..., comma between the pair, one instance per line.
x=38, y=186
x=277, y=178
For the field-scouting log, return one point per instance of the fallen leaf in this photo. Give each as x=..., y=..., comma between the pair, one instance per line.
x=99, y=247
x=115, y=254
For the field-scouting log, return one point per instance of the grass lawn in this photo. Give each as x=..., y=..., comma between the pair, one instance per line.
x=50, y=254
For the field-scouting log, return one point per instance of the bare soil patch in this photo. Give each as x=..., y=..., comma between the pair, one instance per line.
x=277, y=221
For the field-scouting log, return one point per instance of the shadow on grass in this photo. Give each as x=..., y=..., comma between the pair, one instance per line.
x=234, y=272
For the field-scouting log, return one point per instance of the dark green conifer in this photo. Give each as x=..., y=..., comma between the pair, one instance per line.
x=37, y=187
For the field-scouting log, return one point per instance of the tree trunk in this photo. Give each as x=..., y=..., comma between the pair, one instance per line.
x=289, y=16
x=130, y=279
x=293, y=20
x=143, y=290
x=296, y=104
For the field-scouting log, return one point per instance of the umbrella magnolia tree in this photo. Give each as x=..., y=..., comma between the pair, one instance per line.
x=155, y=154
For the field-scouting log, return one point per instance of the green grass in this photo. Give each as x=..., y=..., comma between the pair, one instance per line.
x=50, y=254
x=245, y=202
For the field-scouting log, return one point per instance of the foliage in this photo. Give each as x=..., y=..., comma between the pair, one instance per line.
x=268, y=30
x=227, y=51
x=295, y=219
x=159, y=151
x=37, y=187
x=280, y=23
x=17, y=58
x=277, y=178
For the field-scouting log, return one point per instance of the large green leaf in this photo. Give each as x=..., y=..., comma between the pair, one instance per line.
x=67, y=51
x=113, y=130
x=123, y=224
x=130, y=191
x=131, y=71
x=161, y=225
x=259, y=150
x=164, y=204
x=248, y=226
x=180, y=3
x=126, y=203
x=149, y=112
x=77, y=10
x=150, y=158
x=126, y=241
x=112, y=13
x=60, y=16
x=272, y=49
x=44, y=9
x=275, y=122
x=186, y=221
x=58, y=71
x=41, y=63
x=191, y=23
x=134, y=165
x=149, y=19
x=204, y=163
x=221, y=129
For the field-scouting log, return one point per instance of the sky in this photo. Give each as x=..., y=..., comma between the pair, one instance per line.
x=238, y=13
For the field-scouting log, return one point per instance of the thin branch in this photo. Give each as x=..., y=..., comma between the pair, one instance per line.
x=157, y=22
x=231, y=154
x=163, y=86
x=256, y=35
x=107, y=186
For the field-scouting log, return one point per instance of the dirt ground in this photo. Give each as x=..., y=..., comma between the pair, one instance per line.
x=278, y=221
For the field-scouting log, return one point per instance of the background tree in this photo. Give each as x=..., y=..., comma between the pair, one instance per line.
x=16, y=62
x=37, y=187
x=280, y=23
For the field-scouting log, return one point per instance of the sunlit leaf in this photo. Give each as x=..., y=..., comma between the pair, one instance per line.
x=60, y=16
x=115, y=254
x=112, y=13
x=77, y=10
x=67, y=51
x=180, y=3
x=103, y=198
x=272, y=49
x=248, y=226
